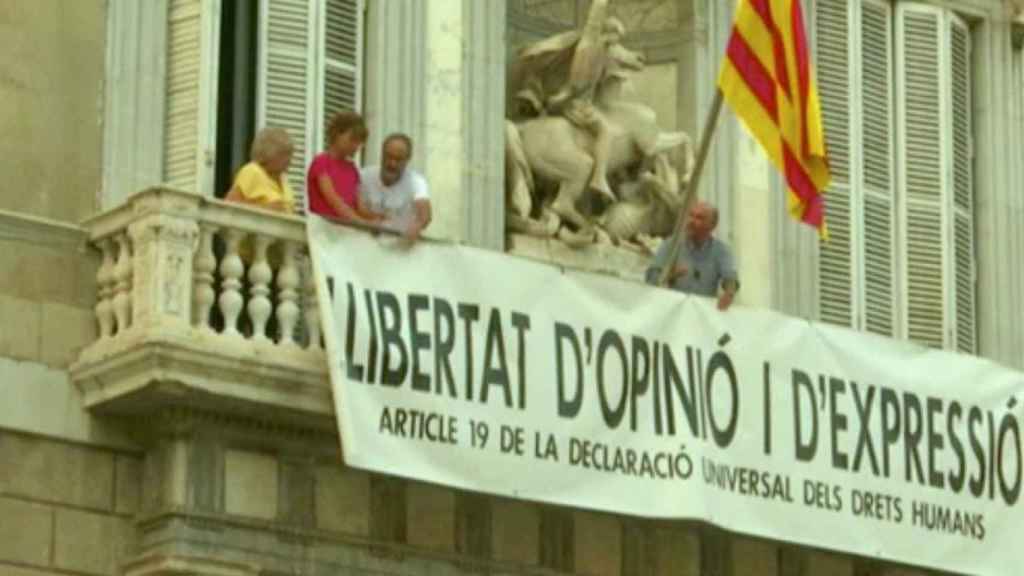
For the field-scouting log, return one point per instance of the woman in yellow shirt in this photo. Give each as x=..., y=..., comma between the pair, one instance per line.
x=262, y=182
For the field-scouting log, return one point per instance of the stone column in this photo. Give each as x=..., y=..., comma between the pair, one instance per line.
x=133, y=116
x=483, y=92
x=713, y=28
x=395, y=68
x=998, y=148
x=753, y=204
x=444, y=144
x=435, y=70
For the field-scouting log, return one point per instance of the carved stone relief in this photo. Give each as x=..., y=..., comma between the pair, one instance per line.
x=586, y=161
x=561, y=12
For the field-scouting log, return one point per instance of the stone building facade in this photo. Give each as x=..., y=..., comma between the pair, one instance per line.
x=136, y=440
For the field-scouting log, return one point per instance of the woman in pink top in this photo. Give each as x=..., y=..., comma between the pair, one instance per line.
x=332, y=181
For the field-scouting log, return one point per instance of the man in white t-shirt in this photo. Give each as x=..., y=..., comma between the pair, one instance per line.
x=397, y=195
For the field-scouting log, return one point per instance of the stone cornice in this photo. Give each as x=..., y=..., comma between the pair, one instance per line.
x=170, y=531
x=171, y=564
x=34, y=230
x=146, y=373
x=184, y=419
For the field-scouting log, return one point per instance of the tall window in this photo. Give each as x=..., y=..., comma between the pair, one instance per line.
x=307, y=59
x=895, y=82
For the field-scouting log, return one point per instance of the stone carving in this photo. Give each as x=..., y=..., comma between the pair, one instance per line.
x=173, y=284
x=583, y=162
x=649, y=207
x=653, y=15
x=559, y=11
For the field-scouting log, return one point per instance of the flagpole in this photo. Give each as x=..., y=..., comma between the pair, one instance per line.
x=710, y=125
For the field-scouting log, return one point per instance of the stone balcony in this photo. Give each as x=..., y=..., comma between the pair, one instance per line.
x=204, y=304
x=208, y=304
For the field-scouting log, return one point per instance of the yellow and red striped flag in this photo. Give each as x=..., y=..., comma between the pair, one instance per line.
x=768, y=80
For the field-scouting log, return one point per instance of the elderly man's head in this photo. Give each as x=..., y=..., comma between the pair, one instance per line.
x=701, y=222
x=395, y=154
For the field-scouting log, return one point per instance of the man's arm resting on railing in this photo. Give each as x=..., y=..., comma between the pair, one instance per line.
x=422, y=216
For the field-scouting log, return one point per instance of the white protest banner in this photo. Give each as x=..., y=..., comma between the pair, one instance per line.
x=490, y=373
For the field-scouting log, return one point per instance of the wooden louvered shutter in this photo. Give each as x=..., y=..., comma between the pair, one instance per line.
x=342, y=55
x=311, y=55
x=190, y=113
x=286, y=77
x=962, y=200
x=832, y=43
x=876, y=173
x=921, y=141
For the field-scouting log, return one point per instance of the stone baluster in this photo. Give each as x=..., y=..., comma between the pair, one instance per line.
x=105, y=290
x=231, y=270
x=288, y=294
x=260, y=276
x=122, y=300
x=204, y=266
x=312, y=306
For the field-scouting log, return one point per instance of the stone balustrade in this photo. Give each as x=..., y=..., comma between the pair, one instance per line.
x=202, y=301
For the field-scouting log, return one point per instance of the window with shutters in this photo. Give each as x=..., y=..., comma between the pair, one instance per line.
x=895, y=83
x=235, y=66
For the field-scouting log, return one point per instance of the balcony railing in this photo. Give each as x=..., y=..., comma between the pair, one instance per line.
x=203, y=302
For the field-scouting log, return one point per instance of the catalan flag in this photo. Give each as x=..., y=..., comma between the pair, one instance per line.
x=768, y=80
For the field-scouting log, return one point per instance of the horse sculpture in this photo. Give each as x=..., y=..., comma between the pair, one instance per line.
x=551, y=152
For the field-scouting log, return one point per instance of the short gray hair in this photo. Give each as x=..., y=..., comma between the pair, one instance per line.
x=268, y=143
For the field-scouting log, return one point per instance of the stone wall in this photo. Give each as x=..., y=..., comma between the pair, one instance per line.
x=47, y=291
x=248, y=498
x=51, y=93
x=65, y=508
x=269, y=500
x=228, y=499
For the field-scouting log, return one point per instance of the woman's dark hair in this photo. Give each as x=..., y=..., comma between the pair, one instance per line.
x=346, y=121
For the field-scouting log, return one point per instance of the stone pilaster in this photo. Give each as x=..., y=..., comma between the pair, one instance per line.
x=435, y=70
x=135, y=91
x=163, y=243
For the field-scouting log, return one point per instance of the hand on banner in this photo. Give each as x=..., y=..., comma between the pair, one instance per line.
x=411, y=232
x=725, y=300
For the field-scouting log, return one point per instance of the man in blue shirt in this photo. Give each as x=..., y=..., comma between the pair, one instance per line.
x=703, y=263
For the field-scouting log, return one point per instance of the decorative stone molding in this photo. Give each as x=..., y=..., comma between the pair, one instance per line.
x=40, y=231
x=630, y=264
x=180, y=420
x=161, y=565
x=278, y=549
x=170, y=260
x=1016, y=8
